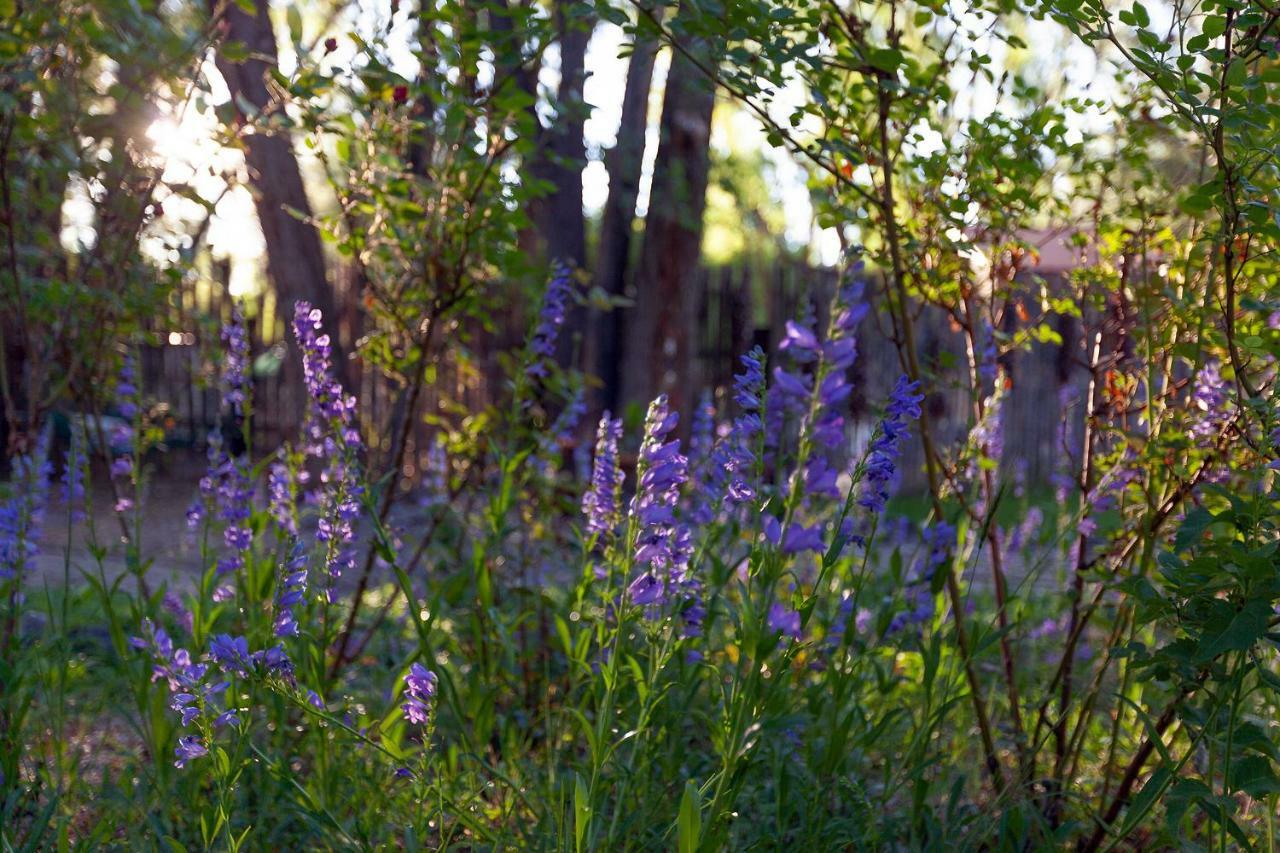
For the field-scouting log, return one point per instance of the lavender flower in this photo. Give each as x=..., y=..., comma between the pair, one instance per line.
x=419, y=694
x=333, y=435
x=192, y=696
x=127, y=390
x=938, y=539
x=707, y=471
x=435, y=475
x=987, y=357
x=561, y=432
x=292, y=589
x=1210, y=397
x=736, y=453
x=280, y=497
x=882, y=455
x=662, y=543
x=22, y=514
x=233, y=658
x=189, y=747
x=800, y=342
x=235, y=343
x=555, y=305
x=784, y=620
x=600, y=502
x=174, y=605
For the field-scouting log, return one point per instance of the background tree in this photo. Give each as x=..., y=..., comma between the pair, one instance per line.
x=659, y=326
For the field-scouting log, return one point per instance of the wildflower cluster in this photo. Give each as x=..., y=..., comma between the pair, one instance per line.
x=199, y=702
x=885, y=448
x=22, y=513
x=600, y=500
x=555, y=307
x=662, y=544
x=332, y=436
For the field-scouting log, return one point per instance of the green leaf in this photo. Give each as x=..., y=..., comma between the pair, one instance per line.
x=581, y=812
x=1254, y=775
x=294, y=19
x=1192, y=528
x=689, y=822
x=1245, y=628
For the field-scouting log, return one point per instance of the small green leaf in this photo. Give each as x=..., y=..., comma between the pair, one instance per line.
x=689, y=822
x=581, y=812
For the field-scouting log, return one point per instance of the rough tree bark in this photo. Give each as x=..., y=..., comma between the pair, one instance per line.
x=295, y=258
x=660, y=325
x=623, y=162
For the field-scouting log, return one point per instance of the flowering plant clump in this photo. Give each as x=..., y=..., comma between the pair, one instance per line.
x=751, y=622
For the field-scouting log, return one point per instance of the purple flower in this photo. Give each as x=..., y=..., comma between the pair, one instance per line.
x=231, y=654
x=561, y=432
x=280, y=497
x=600, y=502
x=555, y=305
x=661, y=470
x=707, y=469
x=235, y=343
x=784, y=620
x=334, y=437
x=419, y=694
x=938, y=540
x=292, y=589
x=792, y=387
x=188, y=748
x=800, y=341
x=435, y=475
x=179, y=611
x=1210, y=397
x=749, y=384
x=646, y=590
x=22, y=514
x=987, y=357
x=736, y=453
x=126, y=390
x=799, y=538
x=191, y=695
x=882, y=455
x=1027, y=533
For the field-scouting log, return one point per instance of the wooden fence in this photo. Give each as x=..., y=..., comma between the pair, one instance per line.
x=740, y=307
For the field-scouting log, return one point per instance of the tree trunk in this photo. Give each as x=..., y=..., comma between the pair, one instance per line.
x=613, y=257
x=561, y=153
x=295, y=259
x=659, y=336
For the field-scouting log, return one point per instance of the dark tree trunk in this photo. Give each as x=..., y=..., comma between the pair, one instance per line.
x=659, y=354
x=623, y=162
x=561, y=152
x=295, y=259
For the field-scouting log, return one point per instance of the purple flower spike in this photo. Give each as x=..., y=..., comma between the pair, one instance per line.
x=882, y=455
x=419, y=691
x=235, y=367
x=600, y=503
x=555, y=305
x=662, y=543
